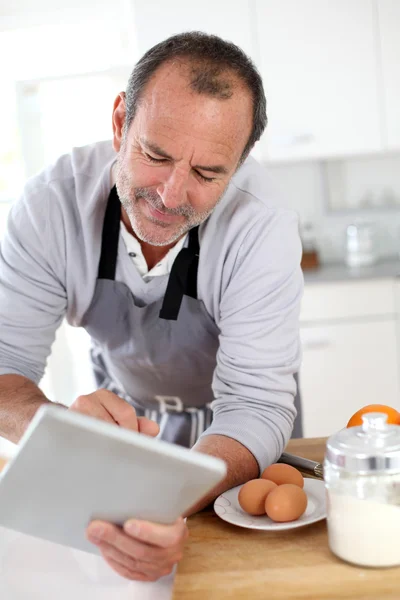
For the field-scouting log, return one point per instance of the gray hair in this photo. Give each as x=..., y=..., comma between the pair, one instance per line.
x=210, y=58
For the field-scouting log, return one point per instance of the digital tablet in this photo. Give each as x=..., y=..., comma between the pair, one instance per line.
x=71, y=469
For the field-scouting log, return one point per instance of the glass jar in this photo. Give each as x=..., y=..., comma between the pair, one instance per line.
x=361, y=247
x=362, y=479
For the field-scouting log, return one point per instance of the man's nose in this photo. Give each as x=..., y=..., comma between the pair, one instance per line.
x=173, y=191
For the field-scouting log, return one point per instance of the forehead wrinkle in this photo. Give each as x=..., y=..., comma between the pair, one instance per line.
x=158, y=110
x=220, y=146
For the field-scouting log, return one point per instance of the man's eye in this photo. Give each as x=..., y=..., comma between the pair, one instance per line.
x=154, y=160
x=208, y=179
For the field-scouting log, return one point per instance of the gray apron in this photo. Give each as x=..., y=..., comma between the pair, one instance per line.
x=169, y=361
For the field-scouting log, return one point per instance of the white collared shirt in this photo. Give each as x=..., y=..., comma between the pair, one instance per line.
x=134, y=250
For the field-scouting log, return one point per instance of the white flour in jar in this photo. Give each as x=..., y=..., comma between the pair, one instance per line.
x=364, y=532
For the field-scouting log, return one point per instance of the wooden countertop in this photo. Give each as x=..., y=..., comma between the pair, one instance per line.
x=225, y=562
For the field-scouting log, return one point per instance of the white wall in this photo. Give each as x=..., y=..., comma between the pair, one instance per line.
x=332, y=194
x=371, y=182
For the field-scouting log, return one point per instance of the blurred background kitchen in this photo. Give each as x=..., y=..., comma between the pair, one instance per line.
x=332, y=79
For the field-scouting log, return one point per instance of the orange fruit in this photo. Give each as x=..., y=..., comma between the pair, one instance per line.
x=392, y=413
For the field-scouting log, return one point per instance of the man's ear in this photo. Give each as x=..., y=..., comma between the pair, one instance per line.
x=118, y=120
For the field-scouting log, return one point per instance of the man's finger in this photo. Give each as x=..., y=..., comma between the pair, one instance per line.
x=148, y=427
x=86, y=406
x=152, y=569
x=163, y=536
x=110, y=552
x=125, y=572
x=99, y=533
x=123, y=413
x=107, y=406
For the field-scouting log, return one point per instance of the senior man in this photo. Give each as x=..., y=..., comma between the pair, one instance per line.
x=169, y=247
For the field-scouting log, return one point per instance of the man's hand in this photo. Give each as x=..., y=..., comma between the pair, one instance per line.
x=107, y=406
x=140, y=550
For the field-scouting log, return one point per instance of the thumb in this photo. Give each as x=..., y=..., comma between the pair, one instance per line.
x=148, y=427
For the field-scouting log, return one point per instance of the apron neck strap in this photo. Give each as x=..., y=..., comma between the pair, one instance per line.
x=194, y=245
x=183, y=278
x=110, y=237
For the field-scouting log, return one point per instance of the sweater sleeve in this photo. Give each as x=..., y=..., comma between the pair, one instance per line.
x=32, y=291
x=259, y=351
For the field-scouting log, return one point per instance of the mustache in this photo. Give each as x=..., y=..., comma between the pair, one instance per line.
x=154, y=199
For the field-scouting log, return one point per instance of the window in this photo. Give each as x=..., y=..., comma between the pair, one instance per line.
x=58, y=81
x=56, y=114
x=60, y=72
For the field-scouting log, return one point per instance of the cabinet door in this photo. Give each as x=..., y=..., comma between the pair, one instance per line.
x=158, y=19
x=346, y=366
x=319, y=64
x=389, y=25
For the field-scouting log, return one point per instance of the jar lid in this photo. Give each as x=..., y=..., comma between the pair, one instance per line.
x=373, y=446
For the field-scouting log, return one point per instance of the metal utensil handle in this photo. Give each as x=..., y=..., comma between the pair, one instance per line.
x=303, y=464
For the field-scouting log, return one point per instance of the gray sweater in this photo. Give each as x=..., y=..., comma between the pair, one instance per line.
x=249, y=280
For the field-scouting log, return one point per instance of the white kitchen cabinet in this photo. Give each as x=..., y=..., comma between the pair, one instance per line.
x=349, y=300
x=346, y=366
x=329, y=67
x=350, y=359
x=233, y=20
x=157, y=20
x=318, y=59
x=389, y=28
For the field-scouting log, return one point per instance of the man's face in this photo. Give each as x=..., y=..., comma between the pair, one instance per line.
x=178, y=155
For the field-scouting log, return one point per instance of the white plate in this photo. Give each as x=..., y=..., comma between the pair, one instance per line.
x=227, y=508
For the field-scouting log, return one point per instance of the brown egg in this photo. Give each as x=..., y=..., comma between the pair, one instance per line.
x=287, y=502
x=280, y=473
x=252, y=495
